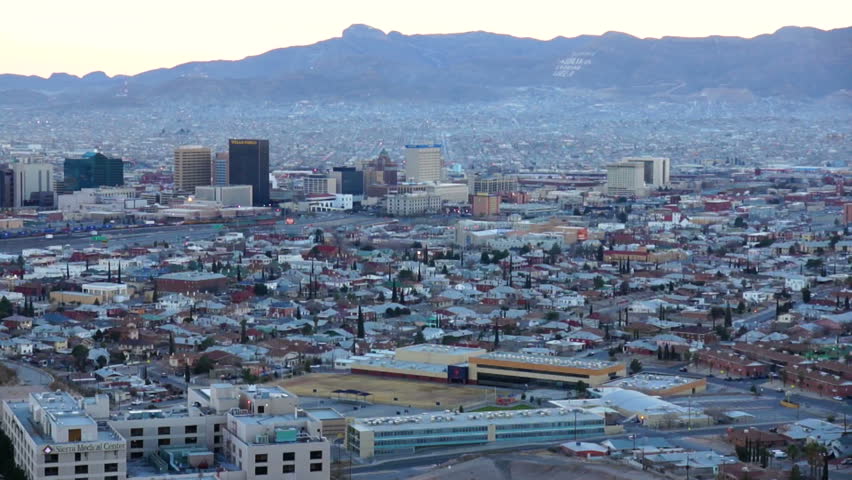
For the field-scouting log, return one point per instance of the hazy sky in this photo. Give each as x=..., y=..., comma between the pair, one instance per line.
x=130, y=36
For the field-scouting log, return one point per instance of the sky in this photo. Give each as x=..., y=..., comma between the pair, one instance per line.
x=39, y=37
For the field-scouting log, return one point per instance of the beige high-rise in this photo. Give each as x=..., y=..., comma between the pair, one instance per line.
x=424, y=163
x=192, y=168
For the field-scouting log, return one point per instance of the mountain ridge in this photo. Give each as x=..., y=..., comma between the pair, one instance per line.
x=365, y=62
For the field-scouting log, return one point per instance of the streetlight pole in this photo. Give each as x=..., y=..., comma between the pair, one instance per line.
x=575, y=424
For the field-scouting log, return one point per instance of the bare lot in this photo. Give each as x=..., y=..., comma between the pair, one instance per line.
x=542, y=465
x=389, y=391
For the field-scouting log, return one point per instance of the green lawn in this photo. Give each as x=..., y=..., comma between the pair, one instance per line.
x=519, y=406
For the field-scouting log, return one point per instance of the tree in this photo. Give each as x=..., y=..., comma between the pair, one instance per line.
x=80, y=354
x=739, y=223
x=581, y=388
x=806, y=295
x=551, y=316
x=186, y=373
x=102, y=361
x=203, y=365
x=5, y=307
x=260, y=289
x=171, y=343
x=793, y=452
x=635, y=366
x=243, y=336
x=554, y=252
x=361, y=323
x=624, y=288
x=484, y=258
x=599, y=283
x=795, y=472
x=729, y=317
x=207, y=343
x=419, y=338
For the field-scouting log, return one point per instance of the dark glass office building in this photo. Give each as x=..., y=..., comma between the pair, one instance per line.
x=351, y=180
x=93, y=170
x=248, y=164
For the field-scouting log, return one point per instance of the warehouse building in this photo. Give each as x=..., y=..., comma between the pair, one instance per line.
x=371, y=437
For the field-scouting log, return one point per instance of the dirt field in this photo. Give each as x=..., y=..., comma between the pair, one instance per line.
x=385, y=390
x=535, y=465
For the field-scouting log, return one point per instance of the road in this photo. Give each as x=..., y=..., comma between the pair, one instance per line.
x=173, y=234
x=28, y=375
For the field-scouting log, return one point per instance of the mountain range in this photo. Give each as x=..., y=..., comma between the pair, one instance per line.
x=368, y=64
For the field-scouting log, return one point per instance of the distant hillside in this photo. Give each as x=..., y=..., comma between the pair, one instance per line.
x=366, y=63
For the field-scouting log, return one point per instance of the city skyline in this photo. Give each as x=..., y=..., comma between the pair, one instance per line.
x=195, y=32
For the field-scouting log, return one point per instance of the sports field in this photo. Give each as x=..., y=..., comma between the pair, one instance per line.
x=389, y=391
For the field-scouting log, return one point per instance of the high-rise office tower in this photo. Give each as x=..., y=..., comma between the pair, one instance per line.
x=625, y=179
x=657, y=170
x=93, y=170
x=424, y=163
x=29, y=179
x=248, y=164
x=7, y=187
x=220, y=169
x=349, y=180
x=192, y=168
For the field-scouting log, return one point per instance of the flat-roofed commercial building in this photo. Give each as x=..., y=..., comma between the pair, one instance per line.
x=277, y=446
x=409, y=204
x=497, y=184
x=427, y=362
x=227, y=196
x=485, y=205
x=105, y=291
x=371, y=437
x=55, y=435
x=185, y=282
x=437, y=354
x=660, y=385
x=514, y=369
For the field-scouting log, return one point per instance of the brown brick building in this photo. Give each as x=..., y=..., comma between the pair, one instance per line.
x=188, y=282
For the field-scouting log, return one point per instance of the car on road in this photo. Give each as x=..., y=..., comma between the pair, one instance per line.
x=164, y=374
x=839, y=399
x=136, y=402
x=779, y=454
x=683, y=369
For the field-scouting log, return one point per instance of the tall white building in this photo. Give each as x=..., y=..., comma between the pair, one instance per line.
x=424, y=163
x=30, y=178
x=656, y=170
x=625, y=179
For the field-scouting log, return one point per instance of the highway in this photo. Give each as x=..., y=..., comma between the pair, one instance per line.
x=171, y=234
